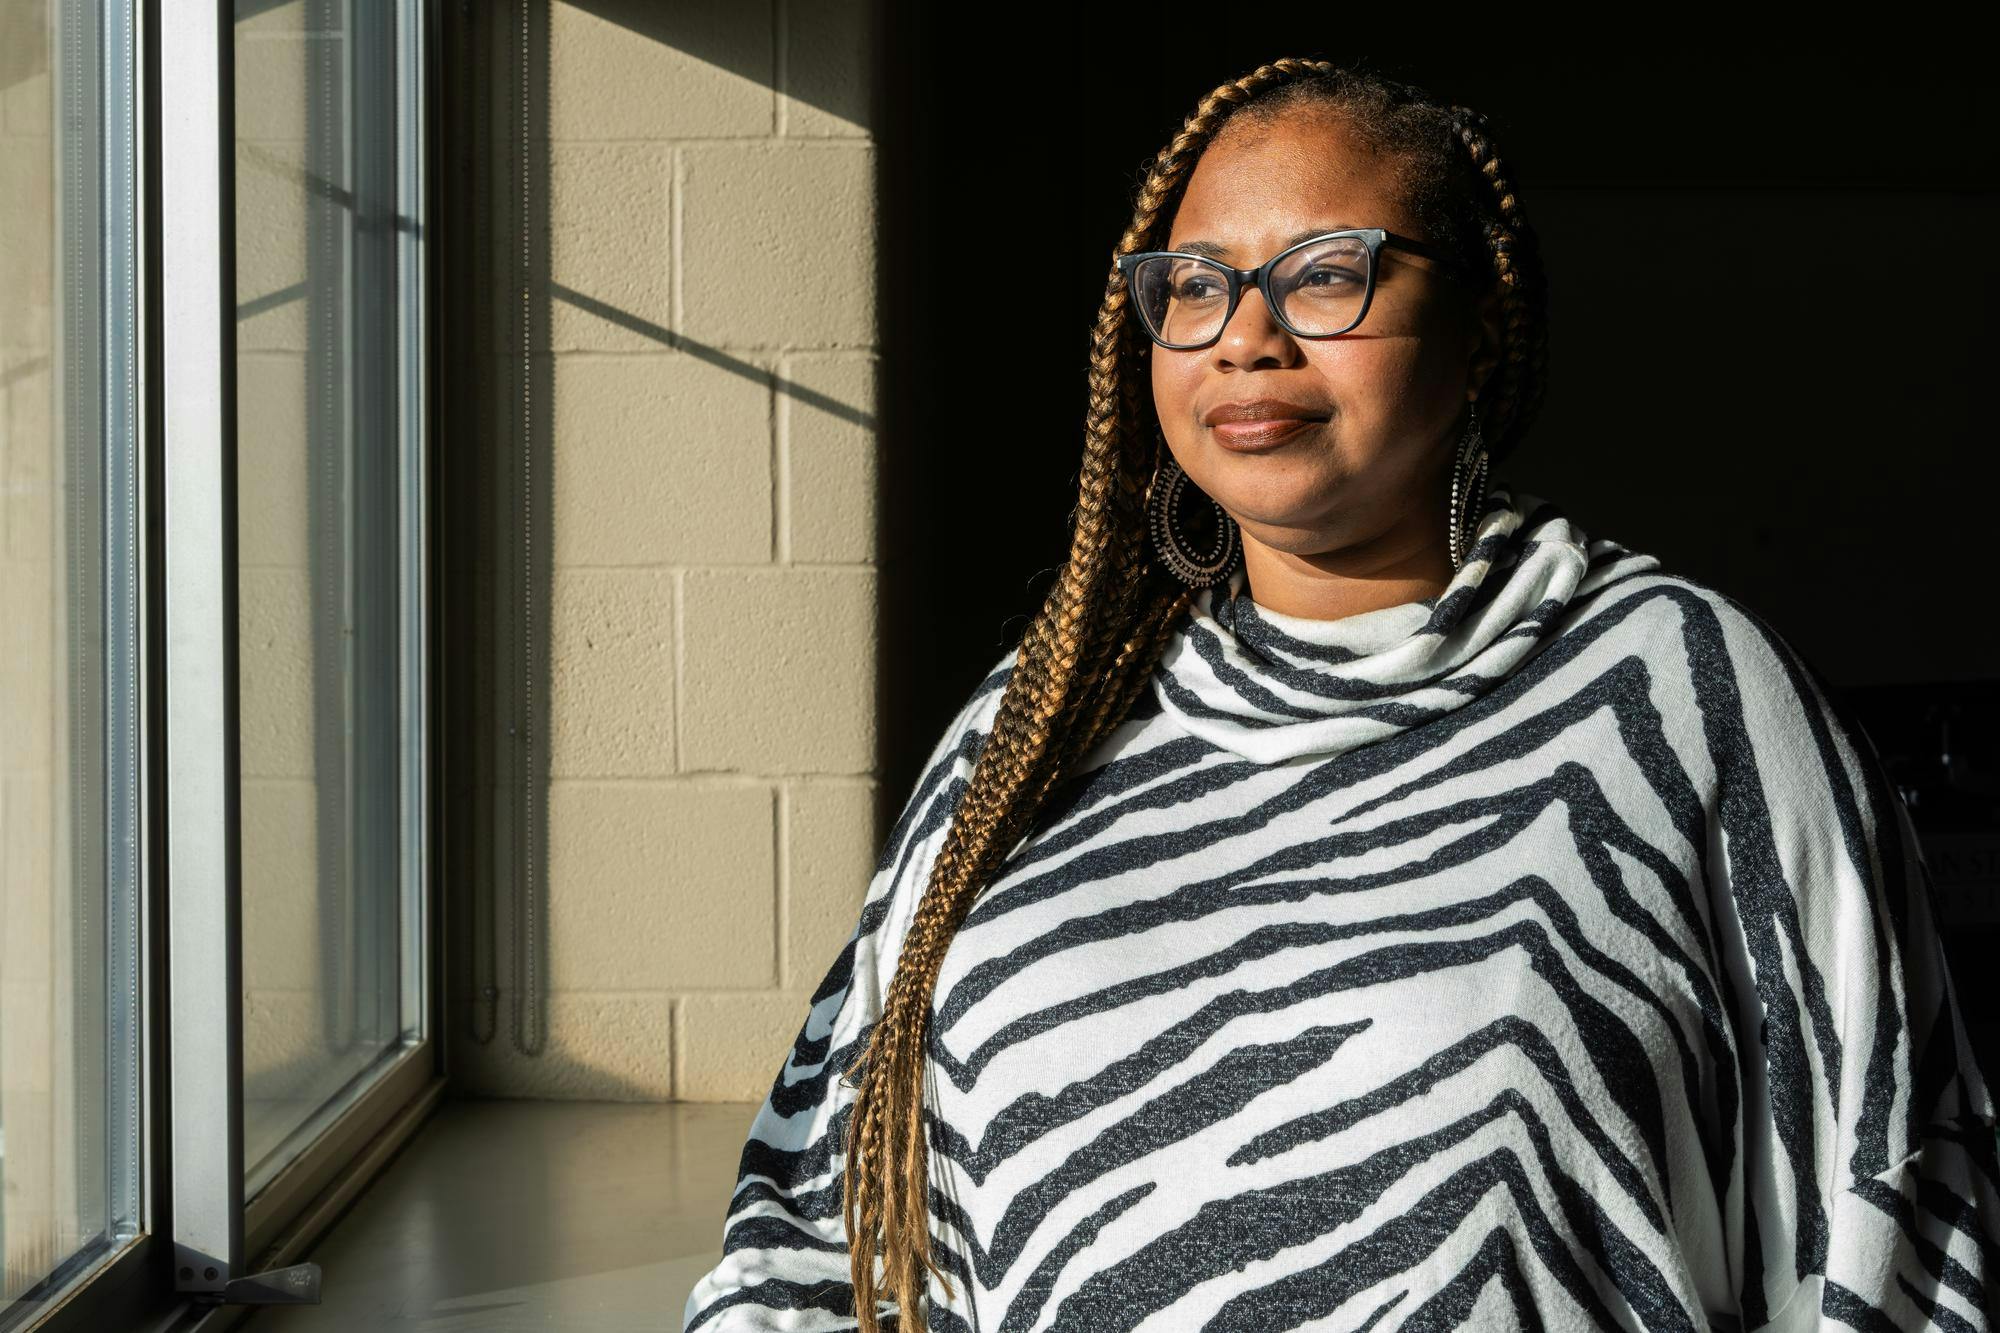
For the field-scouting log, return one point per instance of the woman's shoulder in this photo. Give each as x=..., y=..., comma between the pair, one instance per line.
x=983, y=704
x=1755, y=689
x=957, y=747
x=1636, y=596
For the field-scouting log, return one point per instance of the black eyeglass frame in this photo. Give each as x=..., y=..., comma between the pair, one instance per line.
x=1239, y=278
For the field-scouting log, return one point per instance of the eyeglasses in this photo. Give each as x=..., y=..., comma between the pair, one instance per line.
x=1319, y=288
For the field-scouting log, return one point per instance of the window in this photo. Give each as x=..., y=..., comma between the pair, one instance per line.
x=216, y=790
x=329, y=572
x=72, y=738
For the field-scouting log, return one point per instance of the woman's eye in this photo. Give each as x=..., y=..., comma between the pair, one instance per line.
x=1333, y=277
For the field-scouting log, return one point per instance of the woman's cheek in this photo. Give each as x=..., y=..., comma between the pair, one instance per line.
x=1170, y=398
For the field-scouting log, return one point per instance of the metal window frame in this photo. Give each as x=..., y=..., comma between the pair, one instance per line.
x=202, y=809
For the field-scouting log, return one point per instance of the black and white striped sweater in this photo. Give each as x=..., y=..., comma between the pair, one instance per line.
x=1545, y=954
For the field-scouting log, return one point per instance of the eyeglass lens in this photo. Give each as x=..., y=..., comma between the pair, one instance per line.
x=1320, y=289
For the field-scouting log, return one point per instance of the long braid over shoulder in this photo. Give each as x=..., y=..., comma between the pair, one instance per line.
x=1101, y=631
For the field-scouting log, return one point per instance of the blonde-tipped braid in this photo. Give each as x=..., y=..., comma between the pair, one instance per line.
x=1083, y=660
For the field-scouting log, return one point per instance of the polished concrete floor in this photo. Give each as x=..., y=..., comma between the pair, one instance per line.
x=510, y=1215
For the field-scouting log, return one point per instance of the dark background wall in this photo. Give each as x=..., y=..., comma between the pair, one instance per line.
x=1772, y=289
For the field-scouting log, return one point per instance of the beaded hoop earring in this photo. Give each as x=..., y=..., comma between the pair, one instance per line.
x=1468, y=489
x=1200, y=559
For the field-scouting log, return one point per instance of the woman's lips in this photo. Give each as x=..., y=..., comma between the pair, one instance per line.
x=1251, y=437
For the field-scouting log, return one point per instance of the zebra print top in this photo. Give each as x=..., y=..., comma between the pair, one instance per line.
x=1547, y=953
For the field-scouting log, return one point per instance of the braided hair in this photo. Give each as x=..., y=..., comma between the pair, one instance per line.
x=1107, y=620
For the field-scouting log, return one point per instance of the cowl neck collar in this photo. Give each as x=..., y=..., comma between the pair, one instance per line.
x=1273, y=687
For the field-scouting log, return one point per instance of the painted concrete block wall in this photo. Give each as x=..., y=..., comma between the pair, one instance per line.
x=705, y=617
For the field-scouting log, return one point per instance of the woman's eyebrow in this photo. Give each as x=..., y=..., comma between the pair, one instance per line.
x=1215, y=250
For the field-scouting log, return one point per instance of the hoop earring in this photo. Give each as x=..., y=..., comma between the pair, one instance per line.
x=1468, y=489
x=1197, y=563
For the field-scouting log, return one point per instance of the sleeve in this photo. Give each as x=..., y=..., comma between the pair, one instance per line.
x=1871, y=1192
x=784, y=1261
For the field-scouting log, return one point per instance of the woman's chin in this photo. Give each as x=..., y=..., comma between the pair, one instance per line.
x=1281, y=505
x=1300, y=534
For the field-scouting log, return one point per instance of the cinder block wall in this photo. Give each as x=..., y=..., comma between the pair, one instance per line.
x=705, y=612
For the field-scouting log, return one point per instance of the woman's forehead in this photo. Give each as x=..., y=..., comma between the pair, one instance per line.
x=1254, y=191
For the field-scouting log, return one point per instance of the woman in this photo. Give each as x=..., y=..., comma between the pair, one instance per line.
x=1380, y=905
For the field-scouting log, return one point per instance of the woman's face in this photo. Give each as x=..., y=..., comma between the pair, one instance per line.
x=1363, y=490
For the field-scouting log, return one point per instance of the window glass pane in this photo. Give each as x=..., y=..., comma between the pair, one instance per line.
x=327, y=494
x=71, y=759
